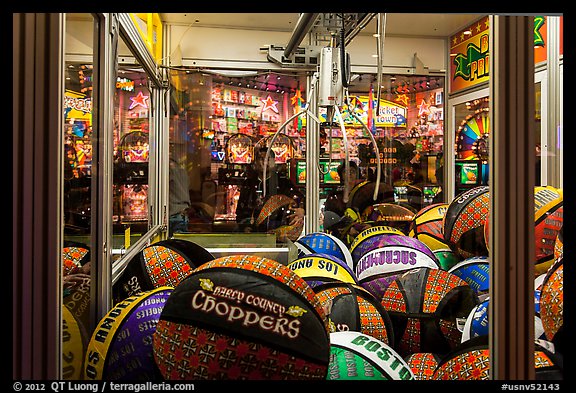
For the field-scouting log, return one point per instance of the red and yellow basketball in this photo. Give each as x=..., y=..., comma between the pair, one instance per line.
x=427, y=226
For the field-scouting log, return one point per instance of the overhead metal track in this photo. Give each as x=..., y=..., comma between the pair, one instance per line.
x=363, y=21
x=303, y=27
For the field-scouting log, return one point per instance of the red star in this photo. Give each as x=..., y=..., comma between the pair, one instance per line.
x=140, y=99
x=269, y=103
x=423, y=108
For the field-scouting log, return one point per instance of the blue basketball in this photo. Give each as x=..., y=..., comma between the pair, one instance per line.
x=324, y=243
x=476, y=272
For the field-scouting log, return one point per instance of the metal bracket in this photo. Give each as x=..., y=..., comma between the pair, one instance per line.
x=419, y=66
x=304, y=57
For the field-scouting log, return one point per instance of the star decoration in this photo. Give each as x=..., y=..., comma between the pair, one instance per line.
x=269, y=103
x=403, y=99
x=140, y=99
x=423, y=108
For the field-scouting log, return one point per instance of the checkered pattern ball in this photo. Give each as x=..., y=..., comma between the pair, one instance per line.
x=464, y=221
x=358, y=356
x=552, y=301
x=423, y=365
x=548, y=215
x=73, y=257
x=242, y=317
x=424, y=305
x=121, y=346
x=163, y=263
x=352, y=308
x=471, y=362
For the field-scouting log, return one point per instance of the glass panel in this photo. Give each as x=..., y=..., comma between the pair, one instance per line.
x=78, y=139
x=219, y=125
x=131, y=153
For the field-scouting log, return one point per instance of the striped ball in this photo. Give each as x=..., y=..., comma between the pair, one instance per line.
x=427, y=226
x=324, y=243
x=476, y=272
x=357, y=356
x=121, y=346
x=318, y=269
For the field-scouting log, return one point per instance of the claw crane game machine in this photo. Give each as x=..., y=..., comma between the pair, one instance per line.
x=242, y=119
x=131, y=154
x=239, y=154
x=469, y=108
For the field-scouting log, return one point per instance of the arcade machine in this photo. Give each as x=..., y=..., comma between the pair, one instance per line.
x=329, y=162
x=239, y=154
x=472, y=151
x=131, y=181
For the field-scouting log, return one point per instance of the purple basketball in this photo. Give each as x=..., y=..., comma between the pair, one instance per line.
x=121, y=346
x=388, y=254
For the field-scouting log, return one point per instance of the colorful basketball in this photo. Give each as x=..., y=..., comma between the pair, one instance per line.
x=423, y=365
x=383, y=255
x=476, y=272
x=468, y=362
x=446, y=258
x=373, y=231
x=164, y=263
x=324, y=243
x=318, y=269
x=74, y=342
x=275, y=217
x=242, y=317
x=559, y=245
x=390, y=214
x=538, y=328
x=121, y=346
x=425, y=306
x=477, y=321
x=464, y=221
x=548, y=215
x=73, y=258
x=352, y=308
x=471, y=361
x=552, y=302
x=427, y=226
x=357, y=356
